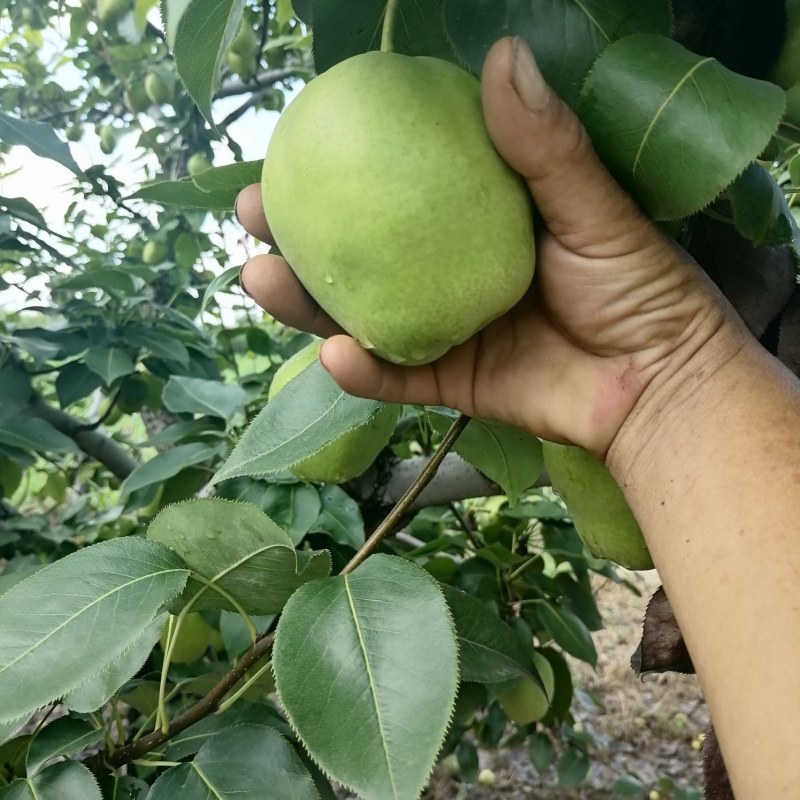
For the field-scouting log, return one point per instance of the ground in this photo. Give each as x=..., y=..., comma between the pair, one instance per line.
x=649, y=728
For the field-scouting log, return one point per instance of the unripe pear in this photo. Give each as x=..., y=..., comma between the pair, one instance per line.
x=154, y=253
x=186, y=250
x=197, y=163
x=786, y=72
x=109, y=11
x=387, y=197
x=108, y=141
x=135, y=98
x=597, y=506
x=349, y=455
x=193, y=639
x=245, y=42
x=526, y=701
x=74, y=133
x=244, y=65
x=156, y=88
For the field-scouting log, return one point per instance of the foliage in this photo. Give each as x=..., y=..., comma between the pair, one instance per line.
x=134, y=377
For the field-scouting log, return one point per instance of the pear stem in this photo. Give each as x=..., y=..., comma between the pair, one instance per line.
x=389, y=17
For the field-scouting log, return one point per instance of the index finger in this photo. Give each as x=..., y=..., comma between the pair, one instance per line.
x=249, y=211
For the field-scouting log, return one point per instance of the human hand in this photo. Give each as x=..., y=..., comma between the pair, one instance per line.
x=615, y=306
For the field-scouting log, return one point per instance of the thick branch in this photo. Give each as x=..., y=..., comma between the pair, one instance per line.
x=92, y=442
x=261, y=80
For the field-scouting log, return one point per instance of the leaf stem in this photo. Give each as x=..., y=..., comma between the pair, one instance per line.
x=223, y=707
x=389, y=17
x=409, y=496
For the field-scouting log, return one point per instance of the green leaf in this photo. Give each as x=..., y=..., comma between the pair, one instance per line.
x=366, y=666
x=74, y=382
x=33, y=433
x=205, y=29
x=198, y=396
x=627, y=786
x=15, y=391
x=248, y=762
x=72, y=618
x=167, y=464
x=673, y=127
x=62, y=737
x=293, y=507
x=507, y=455
x=226, y=182
x=489, y=651
x=220, y=282
x=340, y=517
x=243, y=713
x=109, y=363
x=760, y=210
x=238, y=548
x=566, y=36
x=568, y=631
x=23, y=209
x=540, y=751
x=572, y=768
x=39, y=138
x=183, y=193
x=110, y=280
x=161, y=342
x=91, y=695
x=310, y=411
x=67, y=781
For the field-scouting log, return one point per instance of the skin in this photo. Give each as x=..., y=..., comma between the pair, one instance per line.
x=625, y=348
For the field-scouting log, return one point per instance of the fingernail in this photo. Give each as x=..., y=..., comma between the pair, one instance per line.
x=527, y=80
x=236, y=210
x=241, y=280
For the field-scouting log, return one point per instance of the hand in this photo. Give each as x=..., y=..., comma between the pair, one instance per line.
x=615, y=306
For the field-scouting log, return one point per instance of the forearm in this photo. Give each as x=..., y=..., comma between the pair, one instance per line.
x=710, y=464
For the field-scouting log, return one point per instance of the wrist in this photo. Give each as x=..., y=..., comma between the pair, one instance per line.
x=686, y=386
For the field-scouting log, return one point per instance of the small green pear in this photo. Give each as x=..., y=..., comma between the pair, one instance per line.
x=526, y=701
x=154, y=253
x=597, y=506
x=109, y=11
x=349, y=455
x=197, y=163
x=786, y=72
x=74, y=133
x=108, y=140
x=245, y=43
x=156, y=89
x=186, y=250
x=244, y=65
x=193, y=639
x=135, y=98
x=387, y=197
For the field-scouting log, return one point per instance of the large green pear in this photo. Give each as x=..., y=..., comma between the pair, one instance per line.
x=351, y=454
x=387, y=197
x=786, y=72
x=597, y=506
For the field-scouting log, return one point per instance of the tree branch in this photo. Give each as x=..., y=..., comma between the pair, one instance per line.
x=92, y=442
x=262, y=80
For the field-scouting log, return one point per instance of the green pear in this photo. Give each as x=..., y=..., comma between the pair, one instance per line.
x=387, y=197
x=186, y=250
x=156, y=89
x=197, y=163
x=154, y=253
x=786, y=72
x=245, y=43
x=108, y=140
x=135, y=98
x=350, y=454
x=243, y=65
x=526, y=701
x=597, y=506
x=193, y=639
x=111, y=10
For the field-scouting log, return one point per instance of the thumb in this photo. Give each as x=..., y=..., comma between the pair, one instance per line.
x=542, y=139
